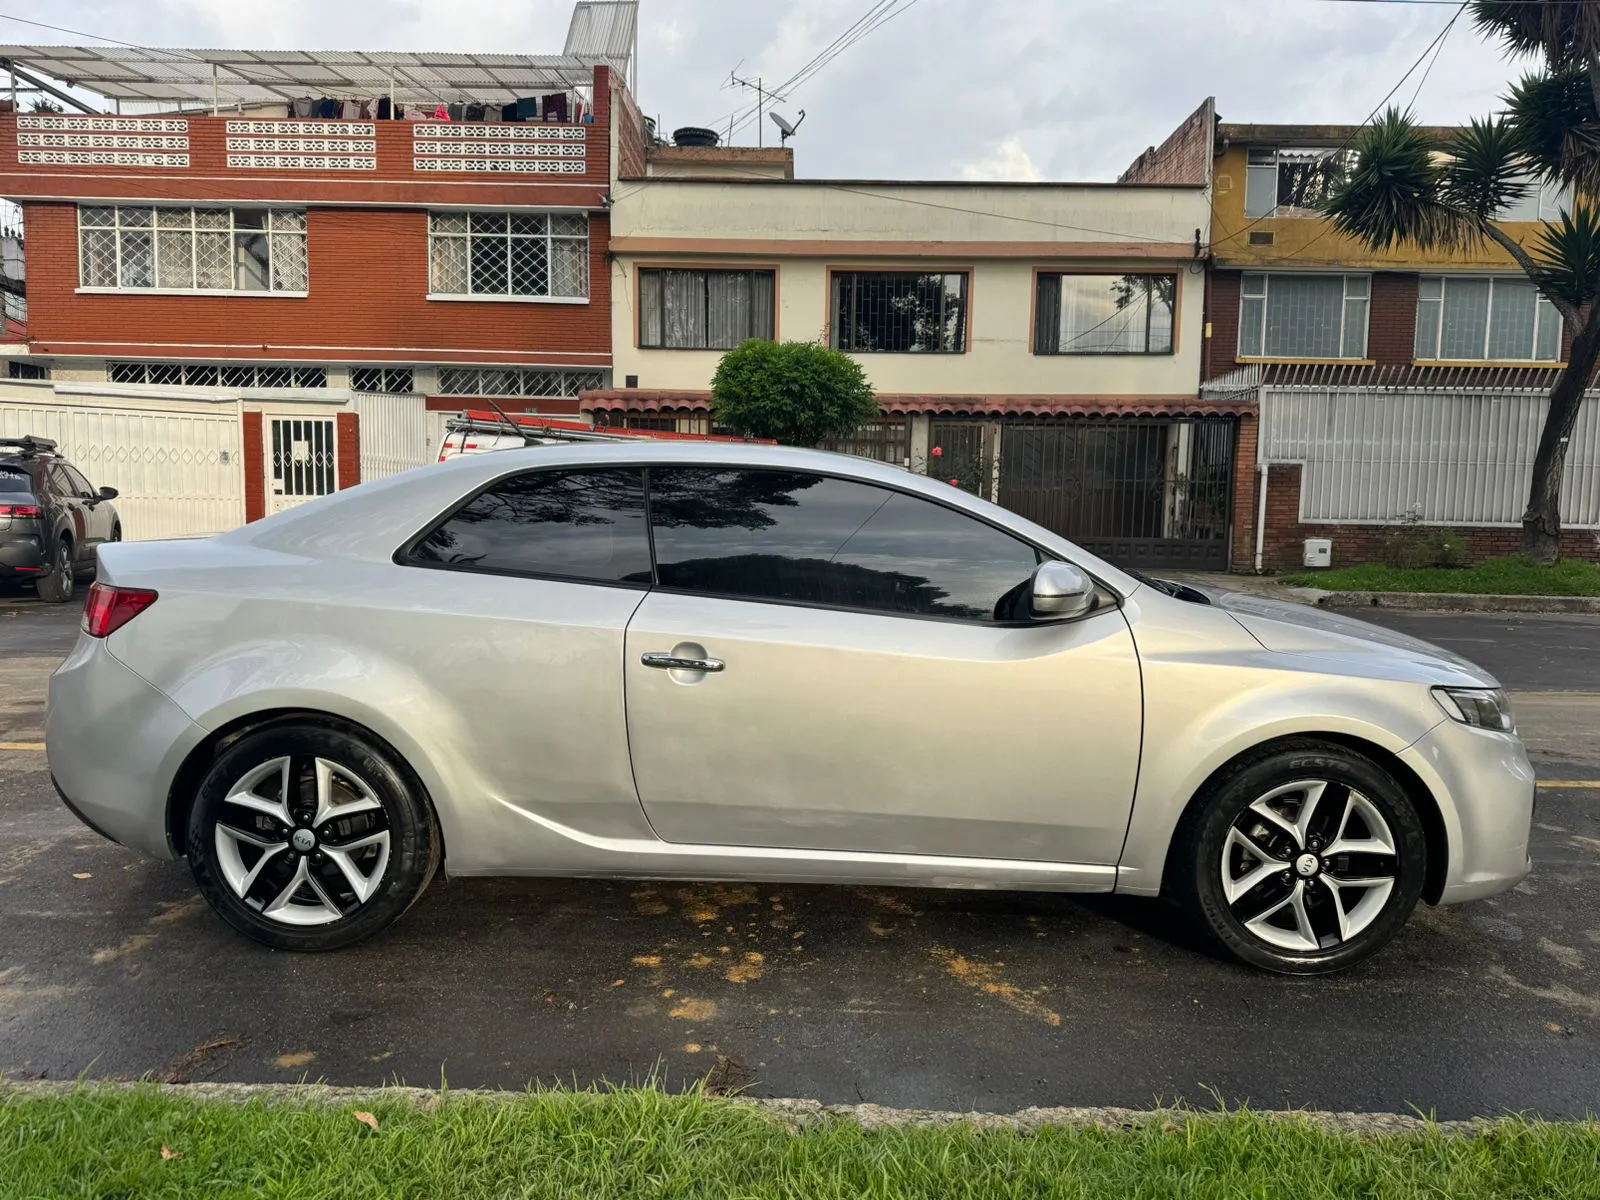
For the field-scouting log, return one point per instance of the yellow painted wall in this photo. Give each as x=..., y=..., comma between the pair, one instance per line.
x=1311, y=242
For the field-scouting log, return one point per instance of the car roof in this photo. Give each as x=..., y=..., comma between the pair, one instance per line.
x=374, y=520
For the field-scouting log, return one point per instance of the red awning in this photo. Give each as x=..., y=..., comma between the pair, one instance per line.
x=640, y=400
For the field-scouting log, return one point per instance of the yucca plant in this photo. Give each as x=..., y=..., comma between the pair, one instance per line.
x=1407, y=188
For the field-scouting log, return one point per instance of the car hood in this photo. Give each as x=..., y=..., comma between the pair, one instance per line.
x=1284, y=627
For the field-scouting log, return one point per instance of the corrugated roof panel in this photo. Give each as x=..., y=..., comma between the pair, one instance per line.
x=603, y=29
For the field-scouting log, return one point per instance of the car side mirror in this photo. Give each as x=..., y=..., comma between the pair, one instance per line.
x=1061, y=592
x=108, y=493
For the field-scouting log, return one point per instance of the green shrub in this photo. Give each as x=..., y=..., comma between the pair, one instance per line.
x=797, y=393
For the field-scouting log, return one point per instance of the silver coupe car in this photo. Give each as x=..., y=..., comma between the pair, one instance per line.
x=738, y=662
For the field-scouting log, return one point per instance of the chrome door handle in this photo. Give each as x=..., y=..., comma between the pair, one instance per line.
x=671, y=662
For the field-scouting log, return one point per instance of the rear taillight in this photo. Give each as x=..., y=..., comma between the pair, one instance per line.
x=20, y=510
x=110, y=608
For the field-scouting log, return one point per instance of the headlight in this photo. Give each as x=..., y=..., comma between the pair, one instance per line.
x=1487, y=708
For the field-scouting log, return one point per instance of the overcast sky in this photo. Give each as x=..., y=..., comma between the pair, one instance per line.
x=1005, y=89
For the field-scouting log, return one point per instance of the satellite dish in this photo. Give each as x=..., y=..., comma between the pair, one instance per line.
x=786, y=129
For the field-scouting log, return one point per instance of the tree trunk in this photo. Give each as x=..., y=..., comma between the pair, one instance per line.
x=1541, y=523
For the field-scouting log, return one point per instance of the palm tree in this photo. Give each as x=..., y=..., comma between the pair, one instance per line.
x=1408, y=188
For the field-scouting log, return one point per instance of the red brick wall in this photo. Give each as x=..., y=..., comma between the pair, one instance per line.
x=347, y=448
x=1355, y=544
x=630, y=134
x=1222, y=312
x=254, y=448
x=1184, y=158
x=1392, y=320
x=369, y=282
x=1244, y=494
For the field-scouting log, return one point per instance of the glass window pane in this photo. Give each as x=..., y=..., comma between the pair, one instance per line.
x=1251, y=311
x=1465, y=319
x=489, y=275
x=528, y=268
x=1427, y=344
x=569, y=267
x=250, y=257
x=1304, y=314
x=449, y=222
x=1354, y=344
x=97, y=258
x=288, y=220
x=529, y=223
x=212, y=218
x=683, y=299
x=738, y=306
x=1116, y=314
x=174, y=218
x=1511, y=317
x=583, y=525
x=459, y=381
x=99, y=217
x=569, y=224
x=488, y=222
x=809, y=539
x=1549, y=347
x=289, y=268
x=175, y=259
x=448, y=270
x=249, y=218
x=1254, y=285
x=1357, y=285
x=213, y=261
x=138, y=260
x=1260, y=189
x=135, y=217
x=1430, y=287
x=650, y=302
x=200, y=375
x=900, y=312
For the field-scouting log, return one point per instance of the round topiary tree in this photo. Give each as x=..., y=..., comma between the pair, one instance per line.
x=797, y=393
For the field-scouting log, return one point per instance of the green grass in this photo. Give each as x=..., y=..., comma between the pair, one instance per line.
x=1515, y=576
x=105, y=1143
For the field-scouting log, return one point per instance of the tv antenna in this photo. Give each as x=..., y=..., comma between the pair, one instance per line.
x=786, y=130
x=761, y=101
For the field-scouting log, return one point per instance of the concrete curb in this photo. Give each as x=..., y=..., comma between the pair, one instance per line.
x=1448, y=601
x=797, y=1115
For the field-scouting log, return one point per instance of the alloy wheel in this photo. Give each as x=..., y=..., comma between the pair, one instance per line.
x=1309, y=865
x=302, y=840
x=64, y=570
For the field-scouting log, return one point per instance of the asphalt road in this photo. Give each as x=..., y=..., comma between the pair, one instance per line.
x=111, y=965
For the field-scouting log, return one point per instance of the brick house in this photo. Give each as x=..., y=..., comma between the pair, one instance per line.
x=307, y=233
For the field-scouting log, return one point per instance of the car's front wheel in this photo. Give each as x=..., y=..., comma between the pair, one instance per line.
x=310, y=837
x=1305, y=859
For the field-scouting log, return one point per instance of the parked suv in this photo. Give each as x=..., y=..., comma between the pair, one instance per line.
x=51, y=520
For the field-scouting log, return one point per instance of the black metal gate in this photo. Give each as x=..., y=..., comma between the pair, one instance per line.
x=1138, y=492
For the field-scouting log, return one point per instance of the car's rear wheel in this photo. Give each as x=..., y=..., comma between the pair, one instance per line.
x=56, y=585
x=310, y=837
x=1305, y=859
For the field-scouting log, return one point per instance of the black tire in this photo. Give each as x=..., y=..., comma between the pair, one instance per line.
x=1207, y=852
x=116, y=532
x=57, y=586
x=401, y=810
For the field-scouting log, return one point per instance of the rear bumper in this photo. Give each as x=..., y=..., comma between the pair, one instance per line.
x=114, y=744
x=21, y=551
x=1489, y=784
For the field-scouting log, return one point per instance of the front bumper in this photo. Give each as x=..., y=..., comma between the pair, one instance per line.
x=114, y=744
x=1485, y=787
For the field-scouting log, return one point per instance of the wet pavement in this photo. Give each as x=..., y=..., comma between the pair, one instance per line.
x=110, y=964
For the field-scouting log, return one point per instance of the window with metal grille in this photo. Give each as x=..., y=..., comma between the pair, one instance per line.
x=545, y=383
x=1485, y=319
x=888, y=439
x=900, y=312
x=23, y=370
x=390, y=380
x=1300, y=179
x=1104, y=314
x=217, y=375
x=193, y=249
x=704, y=310
x=505, y=255
x=1303, y=316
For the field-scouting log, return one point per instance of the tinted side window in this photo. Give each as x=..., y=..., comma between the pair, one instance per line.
x=586, y=525
x=810, y=539
x=59, y=483
x=80, y=485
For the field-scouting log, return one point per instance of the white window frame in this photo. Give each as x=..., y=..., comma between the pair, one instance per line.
x=294, y=225
x=1549, y=199
x=1265, y=296
x=550, y=237
x=1263, y=158
x=1543, y=310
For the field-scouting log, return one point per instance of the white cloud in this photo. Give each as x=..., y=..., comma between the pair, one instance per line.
x=1008, y=163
